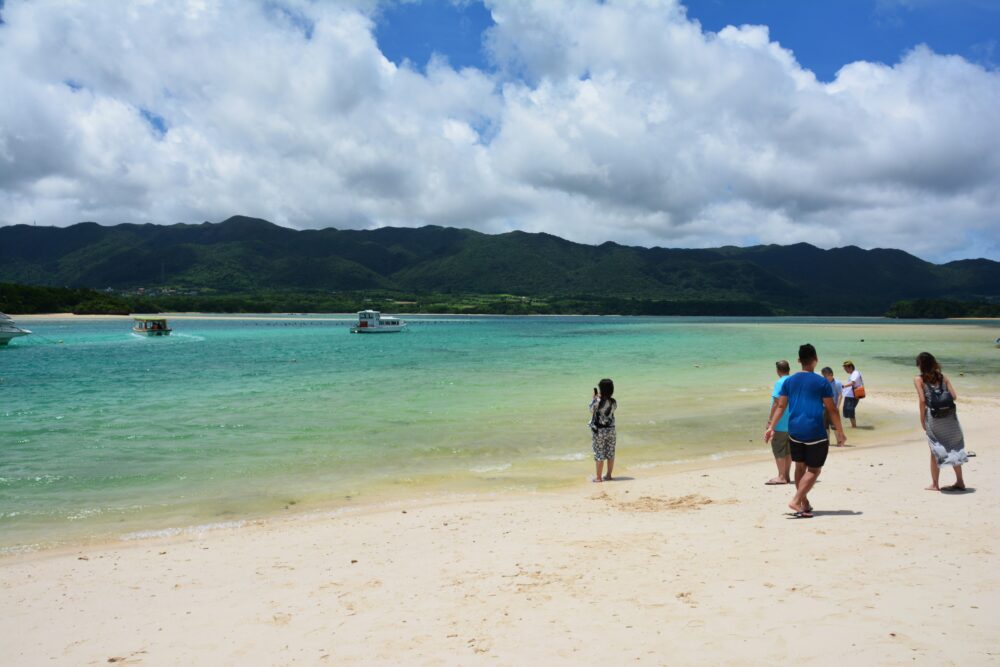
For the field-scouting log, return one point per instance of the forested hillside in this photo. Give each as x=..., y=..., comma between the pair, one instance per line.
x=249, y=256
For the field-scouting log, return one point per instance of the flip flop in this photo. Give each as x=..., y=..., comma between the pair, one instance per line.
x=803, y=515
x=773, y=482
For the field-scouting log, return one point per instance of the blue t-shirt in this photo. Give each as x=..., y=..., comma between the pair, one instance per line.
x=782, y=424
x=805, y=392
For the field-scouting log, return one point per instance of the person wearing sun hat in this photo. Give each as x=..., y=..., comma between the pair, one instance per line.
x=853, y=391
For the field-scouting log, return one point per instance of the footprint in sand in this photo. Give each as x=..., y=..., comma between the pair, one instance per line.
x=691, y=501
x=129, y=659
x=686, y=598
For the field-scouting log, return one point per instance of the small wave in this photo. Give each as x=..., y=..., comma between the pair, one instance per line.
x=189, y=530
x=493, y=468
x=43, y=479
x=654, y=464
x=19, y=549
x=576, y=456
x=725, y=455
x=187, y=336
x=159, y=340
x=718, y=456
x=47, y=479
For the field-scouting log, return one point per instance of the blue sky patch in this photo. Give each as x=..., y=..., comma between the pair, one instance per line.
x=156, y=122
x=824, y=36
x=415, y=31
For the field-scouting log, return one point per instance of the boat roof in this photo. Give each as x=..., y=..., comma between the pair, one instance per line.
x=149, y=318
x=376, y=312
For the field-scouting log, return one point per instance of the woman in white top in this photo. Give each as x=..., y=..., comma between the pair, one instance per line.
x=850, y=399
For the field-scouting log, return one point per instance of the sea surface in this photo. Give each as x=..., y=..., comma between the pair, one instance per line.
x=106, y=435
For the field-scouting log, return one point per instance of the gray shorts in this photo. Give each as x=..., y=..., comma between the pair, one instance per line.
x=779, y=444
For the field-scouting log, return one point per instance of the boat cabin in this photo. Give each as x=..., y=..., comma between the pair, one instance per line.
x=371, y=321
x=150, y=326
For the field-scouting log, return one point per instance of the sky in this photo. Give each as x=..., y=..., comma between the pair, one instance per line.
x=645, y=122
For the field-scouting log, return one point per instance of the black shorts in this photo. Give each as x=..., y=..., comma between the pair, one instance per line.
x=850, y=403
x=814, y=455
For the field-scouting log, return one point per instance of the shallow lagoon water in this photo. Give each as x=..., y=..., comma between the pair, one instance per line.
x=108, y=434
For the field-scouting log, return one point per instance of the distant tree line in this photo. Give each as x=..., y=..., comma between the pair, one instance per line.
x=939, y=309
x=472, y=304
x=30, y=299
x=33, y=299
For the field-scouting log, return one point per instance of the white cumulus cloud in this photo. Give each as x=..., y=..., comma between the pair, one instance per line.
x=619, y=120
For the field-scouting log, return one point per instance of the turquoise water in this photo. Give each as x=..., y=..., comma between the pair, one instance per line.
x=108, y=434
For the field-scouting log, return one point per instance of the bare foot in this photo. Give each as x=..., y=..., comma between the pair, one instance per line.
x=607, y=478
x=795, y=508
x=931, y=488
x=954, y=487
x=596, y=479
x=775, y=480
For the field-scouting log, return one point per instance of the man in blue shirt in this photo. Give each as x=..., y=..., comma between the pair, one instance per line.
x=806, y=396
x=779, y=442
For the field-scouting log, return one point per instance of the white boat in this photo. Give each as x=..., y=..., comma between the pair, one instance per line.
x=9, y=330
x=372, y=321
x=150, y=326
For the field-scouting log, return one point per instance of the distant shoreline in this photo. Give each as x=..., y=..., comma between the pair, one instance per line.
x=314, y=317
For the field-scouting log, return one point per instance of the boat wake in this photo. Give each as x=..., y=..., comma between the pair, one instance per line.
x=166, y=340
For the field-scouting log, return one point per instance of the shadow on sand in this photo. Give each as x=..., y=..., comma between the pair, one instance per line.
x=819, y=513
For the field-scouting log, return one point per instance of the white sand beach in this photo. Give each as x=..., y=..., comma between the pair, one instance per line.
x=687, y=567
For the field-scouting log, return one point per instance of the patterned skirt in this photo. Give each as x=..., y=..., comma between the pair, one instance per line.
x=944, y=436
x=604, y=443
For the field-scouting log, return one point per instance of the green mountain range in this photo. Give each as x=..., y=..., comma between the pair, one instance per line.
x=248, y=255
